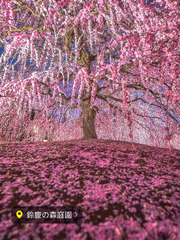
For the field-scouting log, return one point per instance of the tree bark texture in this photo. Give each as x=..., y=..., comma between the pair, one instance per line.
x=88, y=115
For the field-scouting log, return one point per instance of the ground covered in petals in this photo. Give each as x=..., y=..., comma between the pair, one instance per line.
x=125, y=192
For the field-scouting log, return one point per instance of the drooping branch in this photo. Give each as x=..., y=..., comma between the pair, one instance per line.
x=22, y=4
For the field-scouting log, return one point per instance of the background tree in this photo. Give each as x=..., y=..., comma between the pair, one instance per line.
x=79, y=54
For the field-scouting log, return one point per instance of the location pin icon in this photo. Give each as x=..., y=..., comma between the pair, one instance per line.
x=19, y=214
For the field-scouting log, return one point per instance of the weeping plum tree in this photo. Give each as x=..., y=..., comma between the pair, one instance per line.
x=82, y=53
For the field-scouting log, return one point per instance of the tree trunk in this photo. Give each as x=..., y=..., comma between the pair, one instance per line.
x=88, y=115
